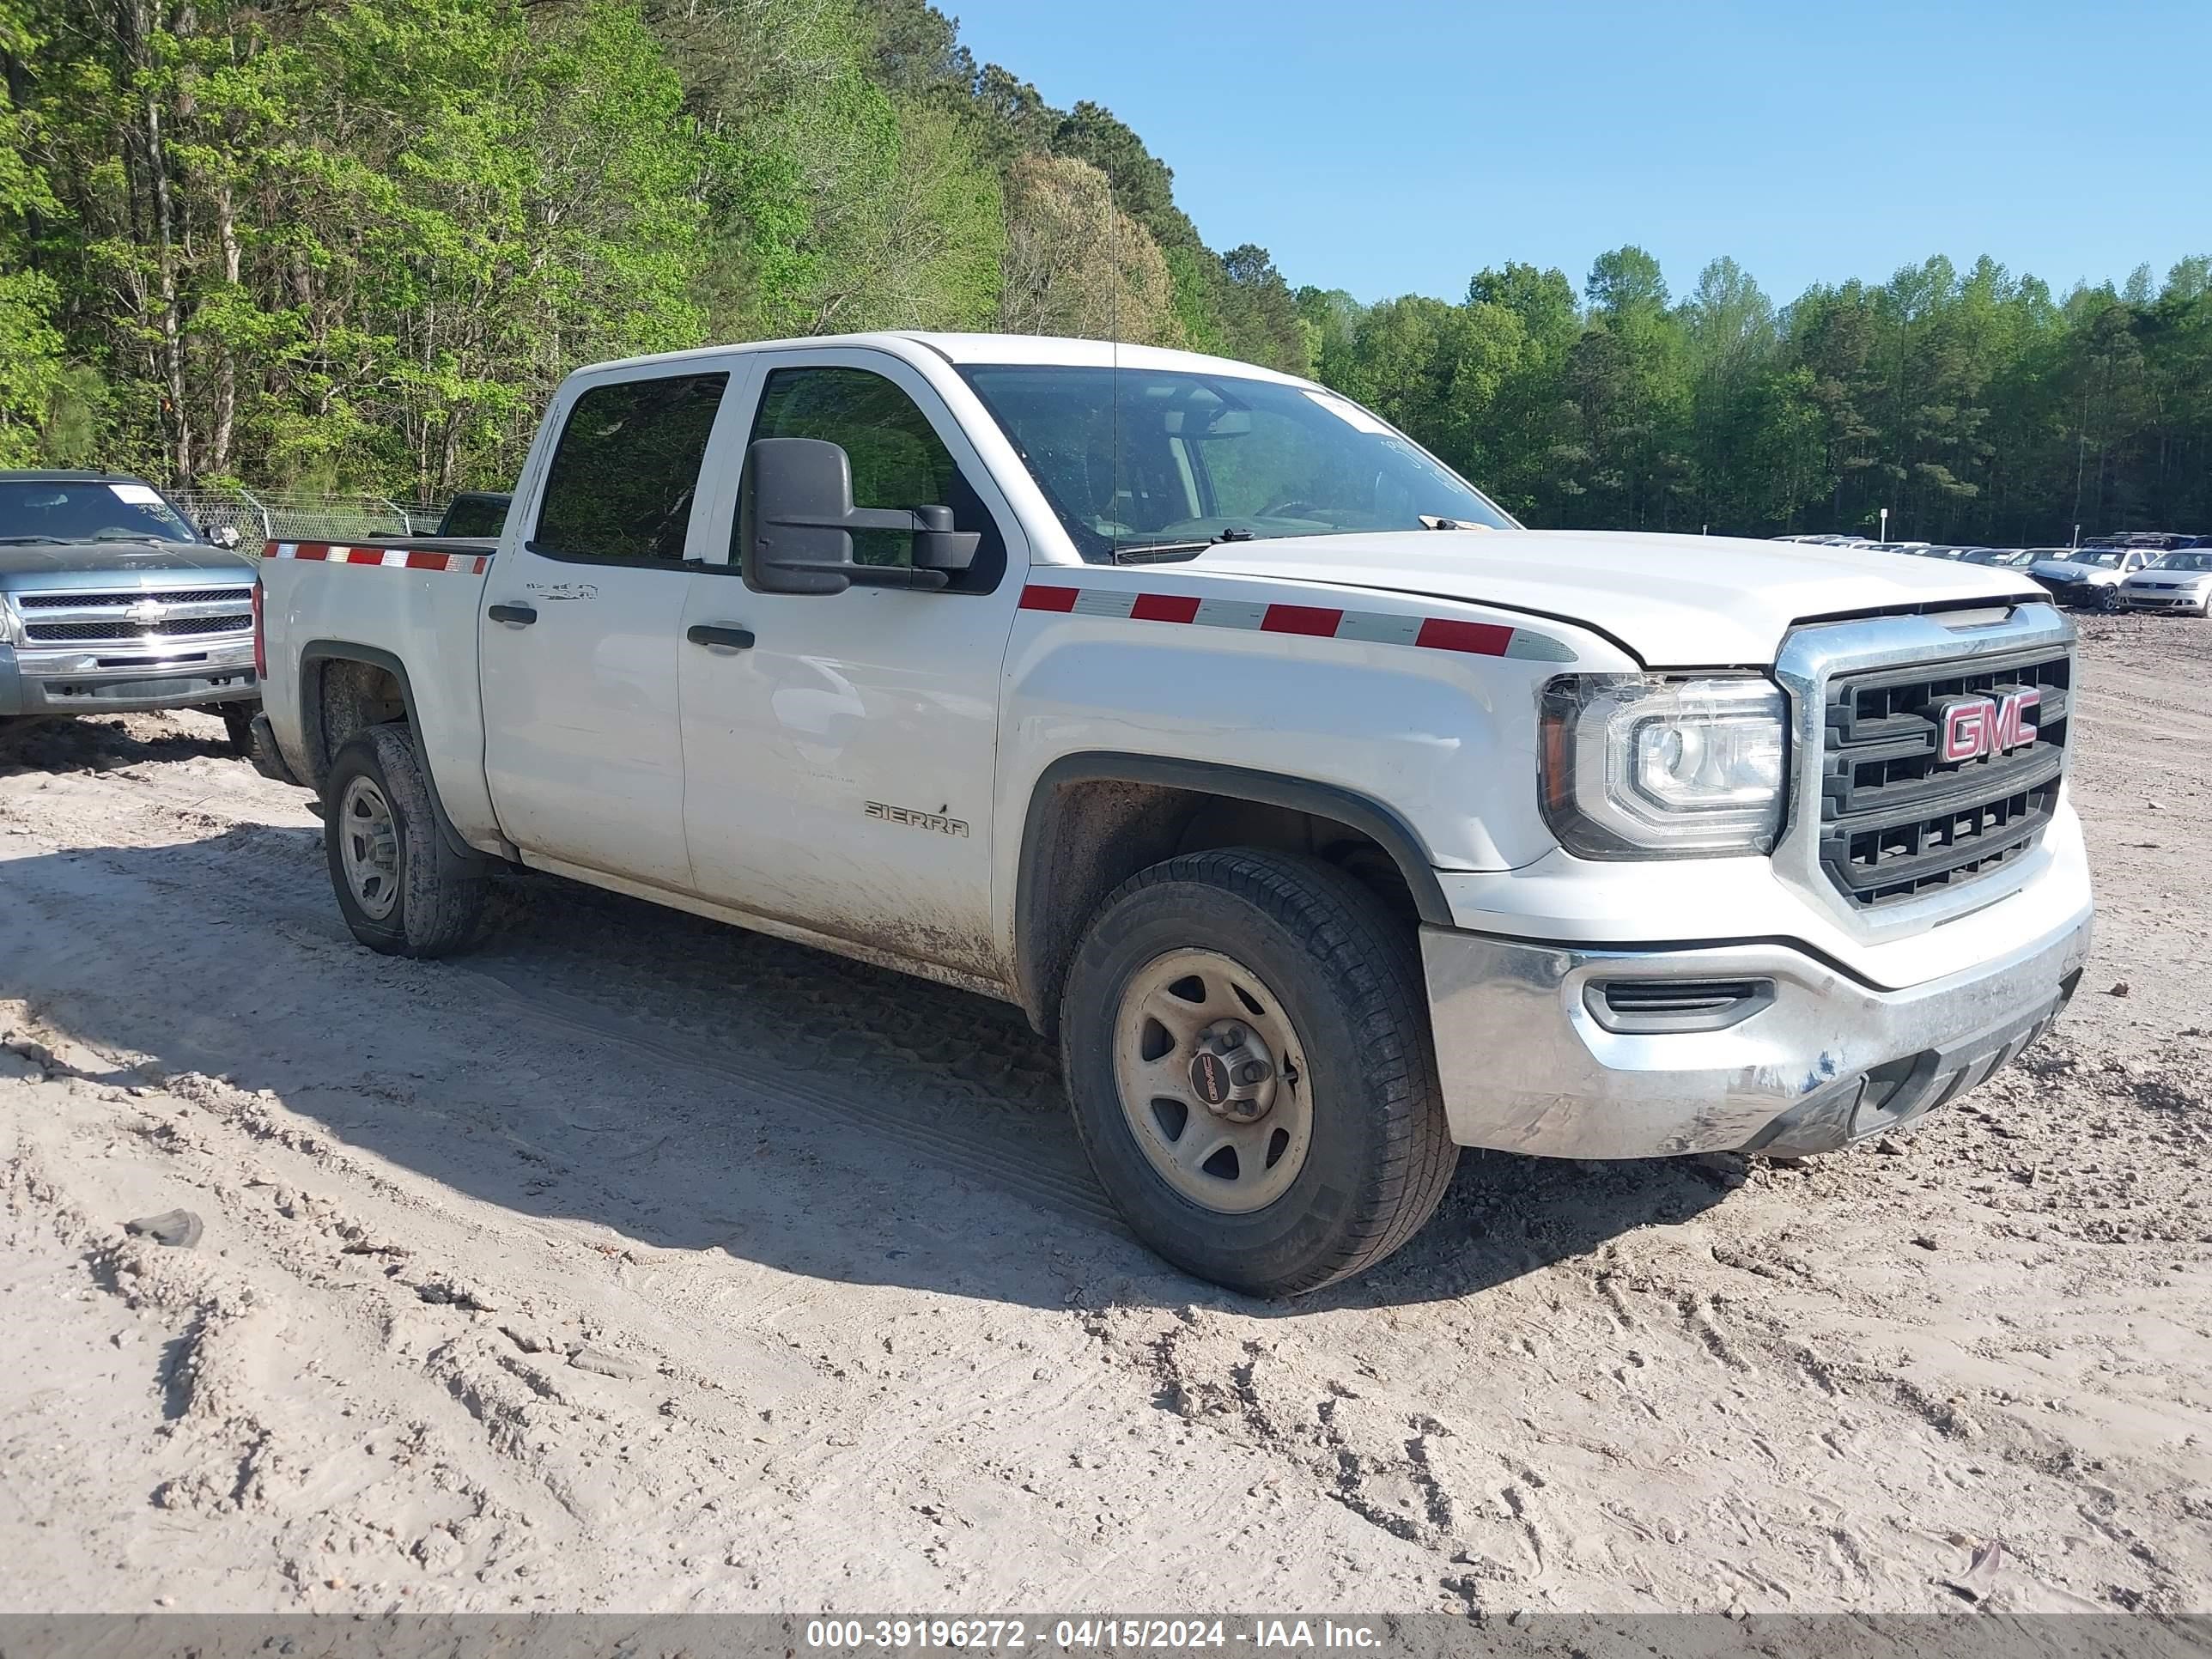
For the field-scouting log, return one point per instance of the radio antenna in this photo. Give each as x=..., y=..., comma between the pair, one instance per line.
x=1114, y=347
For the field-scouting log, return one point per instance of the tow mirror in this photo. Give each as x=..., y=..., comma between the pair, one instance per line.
x=796, y=521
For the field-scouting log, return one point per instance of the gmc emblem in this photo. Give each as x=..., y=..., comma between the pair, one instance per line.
x=1968, y=728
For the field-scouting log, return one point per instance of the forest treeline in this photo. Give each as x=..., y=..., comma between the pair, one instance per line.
x=354, y=244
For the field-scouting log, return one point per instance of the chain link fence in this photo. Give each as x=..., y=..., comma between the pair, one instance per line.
x=260, y=517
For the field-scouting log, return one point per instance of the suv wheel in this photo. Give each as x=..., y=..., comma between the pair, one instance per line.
x=1245, y=1039
x=403, y=891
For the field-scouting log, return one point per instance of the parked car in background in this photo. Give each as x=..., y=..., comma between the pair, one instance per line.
x=1886, y=547
x=2179, y=581
x=2091, y=576
x=2005, y=558
x=1942, y=551
x=476, y=512
x=2154, y=541
x=112, y=601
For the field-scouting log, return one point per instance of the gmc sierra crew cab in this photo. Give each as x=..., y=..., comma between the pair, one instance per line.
x=1332, y=820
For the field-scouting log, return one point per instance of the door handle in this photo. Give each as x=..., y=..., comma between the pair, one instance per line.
x=733, y=639
x=521, y=615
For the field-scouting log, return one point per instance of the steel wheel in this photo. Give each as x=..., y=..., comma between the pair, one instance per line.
x=368, y=848
x=1213, y=1081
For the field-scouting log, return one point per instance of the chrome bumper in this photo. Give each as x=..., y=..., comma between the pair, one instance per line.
x=37, y=681
x=1532, y=1060
x=2196, y=602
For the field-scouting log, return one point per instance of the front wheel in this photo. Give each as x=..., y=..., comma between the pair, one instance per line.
x=238, y=726
x=403, y=891
x=2108, y=599
x=1245, y=1039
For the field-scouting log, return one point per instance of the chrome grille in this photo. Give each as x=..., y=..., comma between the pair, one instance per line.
x=117, y=601
x=1897, y=820
x=121, y=629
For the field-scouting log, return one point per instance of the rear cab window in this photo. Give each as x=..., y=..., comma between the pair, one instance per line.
x=624, y=477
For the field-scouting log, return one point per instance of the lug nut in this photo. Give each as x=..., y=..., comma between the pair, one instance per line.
x=1252, y=1072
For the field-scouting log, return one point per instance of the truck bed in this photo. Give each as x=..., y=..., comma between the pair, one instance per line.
x=409, y=606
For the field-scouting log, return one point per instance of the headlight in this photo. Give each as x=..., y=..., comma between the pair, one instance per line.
x=11, y=630
x=1639, y=766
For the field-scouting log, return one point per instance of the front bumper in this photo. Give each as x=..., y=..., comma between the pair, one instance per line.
x=1814, y=1060
x=2137, y=599
x=2086, y=596
x=34, y=681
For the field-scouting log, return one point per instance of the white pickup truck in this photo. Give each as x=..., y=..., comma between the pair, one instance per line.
x=1331, y=819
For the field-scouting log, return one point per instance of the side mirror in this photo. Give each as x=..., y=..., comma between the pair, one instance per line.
x=796, y=521
x=222, y=535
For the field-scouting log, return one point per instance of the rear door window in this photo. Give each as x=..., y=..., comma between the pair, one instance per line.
x=625, y=474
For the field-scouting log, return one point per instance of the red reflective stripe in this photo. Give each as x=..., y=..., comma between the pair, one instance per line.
x=1163, y=607
x=1481, y=639
x=1301, y=619
x=1036, y=597
x=365, y=556
x=426, y=560
x=311, y=550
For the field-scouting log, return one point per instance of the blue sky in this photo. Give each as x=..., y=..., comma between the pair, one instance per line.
x=1389, y=147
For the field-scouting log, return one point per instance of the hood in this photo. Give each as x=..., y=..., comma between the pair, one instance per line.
x=1675, y=601
x=2065, y=570
x=118, y=564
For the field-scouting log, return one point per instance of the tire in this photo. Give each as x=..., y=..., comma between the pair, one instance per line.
x=1315, y=973
x=2108, y=599
x=237, y=725
x=403, y=891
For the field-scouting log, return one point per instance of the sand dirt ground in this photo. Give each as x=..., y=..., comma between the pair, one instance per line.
x=635, y=1263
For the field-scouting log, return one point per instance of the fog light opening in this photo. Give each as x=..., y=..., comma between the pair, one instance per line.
x=1658, y=1006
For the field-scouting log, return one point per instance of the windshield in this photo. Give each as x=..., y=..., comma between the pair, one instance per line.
x=2184, y=562
x=2105, y=558
x=81, y=510
x=1205, y=458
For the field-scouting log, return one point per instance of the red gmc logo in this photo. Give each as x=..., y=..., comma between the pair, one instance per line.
x=1970, y=728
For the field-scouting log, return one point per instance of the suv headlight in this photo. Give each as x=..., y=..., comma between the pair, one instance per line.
x=11, y=630
x=1639, y=766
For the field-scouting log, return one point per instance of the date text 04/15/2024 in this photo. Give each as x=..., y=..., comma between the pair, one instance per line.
x=1167, y=1635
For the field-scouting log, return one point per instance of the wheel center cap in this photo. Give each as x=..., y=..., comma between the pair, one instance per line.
x=1232, y=1073
x=1210, y=1079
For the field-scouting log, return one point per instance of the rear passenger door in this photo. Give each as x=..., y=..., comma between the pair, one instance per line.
x=584, y=617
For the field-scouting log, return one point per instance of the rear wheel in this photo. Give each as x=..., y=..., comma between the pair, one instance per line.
x=1246, y=1044
x=402, y=889
x=238, y=726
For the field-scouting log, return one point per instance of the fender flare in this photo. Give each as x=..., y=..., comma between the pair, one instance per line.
x=311, y=726
x=1370, y=817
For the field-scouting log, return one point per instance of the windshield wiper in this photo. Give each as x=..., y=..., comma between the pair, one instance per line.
x=29, y=541
x=1432, y=521
x=1166, y=552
